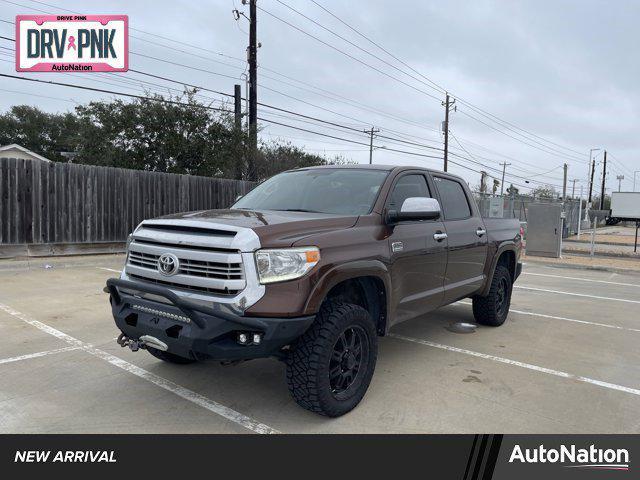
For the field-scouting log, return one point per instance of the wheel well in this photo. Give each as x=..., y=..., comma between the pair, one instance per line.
x=366, y=292
x=508, y=260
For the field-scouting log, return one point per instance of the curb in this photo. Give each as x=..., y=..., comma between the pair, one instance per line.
x=601, y=254
x=598, y=268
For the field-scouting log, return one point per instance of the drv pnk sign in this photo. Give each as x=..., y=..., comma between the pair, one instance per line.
x=76, y=43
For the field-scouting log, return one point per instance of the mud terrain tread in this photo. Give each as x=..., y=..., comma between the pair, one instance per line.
x=303, y=362
x=484, y=308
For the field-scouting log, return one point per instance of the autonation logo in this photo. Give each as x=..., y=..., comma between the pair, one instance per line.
x=573, y=457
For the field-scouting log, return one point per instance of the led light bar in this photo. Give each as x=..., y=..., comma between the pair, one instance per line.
x=160, y=313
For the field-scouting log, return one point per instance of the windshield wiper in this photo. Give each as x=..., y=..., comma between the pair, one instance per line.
x=298, y=210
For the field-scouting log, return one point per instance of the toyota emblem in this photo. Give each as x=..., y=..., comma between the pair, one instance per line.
x=168, y=264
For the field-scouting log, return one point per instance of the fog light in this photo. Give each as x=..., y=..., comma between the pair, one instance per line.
x=257, y=338
x=242, y=338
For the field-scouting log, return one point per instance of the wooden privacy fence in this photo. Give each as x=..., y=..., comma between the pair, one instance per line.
x=61, y=203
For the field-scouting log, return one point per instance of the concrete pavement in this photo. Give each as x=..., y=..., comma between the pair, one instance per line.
x=564, y=362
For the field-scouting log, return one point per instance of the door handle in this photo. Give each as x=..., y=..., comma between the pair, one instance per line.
x=439, y=236
x=480, y=231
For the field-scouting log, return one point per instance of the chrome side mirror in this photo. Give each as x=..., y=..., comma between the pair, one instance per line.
x=416, y=208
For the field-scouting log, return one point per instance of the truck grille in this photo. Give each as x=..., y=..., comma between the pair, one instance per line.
x=206, y=261
x=196, y=268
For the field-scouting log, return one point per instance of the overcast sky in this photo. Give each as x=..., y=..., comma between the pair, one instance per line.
x=565, y=71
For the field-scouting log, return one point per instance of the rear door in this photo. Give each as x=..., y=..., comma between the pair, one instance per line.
x=467, y=238
x=418, y=261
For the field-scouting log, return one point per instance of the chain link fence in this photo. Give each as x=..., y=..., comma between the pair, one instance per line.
x=517, y=206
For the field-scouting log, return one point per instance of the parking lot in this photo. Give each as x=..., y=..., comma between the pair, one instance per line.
x=566, y=361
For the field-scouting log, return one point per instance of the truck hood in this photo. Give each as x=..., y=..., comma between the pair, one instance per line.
x=274, y=228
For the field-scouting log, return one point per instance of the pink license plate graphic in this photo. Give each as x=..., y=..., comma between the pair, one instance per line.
x=72, y=43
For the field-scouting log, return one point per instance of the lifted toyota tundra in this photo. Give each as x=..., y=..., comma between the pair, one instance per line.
x=311, y=267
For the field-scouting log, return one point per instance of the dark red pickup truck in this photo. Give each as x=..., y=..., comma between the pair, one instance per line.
x=311, y=267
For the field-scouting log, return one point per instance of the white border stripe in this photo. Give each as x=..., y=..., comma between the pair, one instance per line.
x=36, y=355
x=548, y=371
x=582, y=279
x=554, y=317
x=536, y=289
x=168, y=385
x=109, y=269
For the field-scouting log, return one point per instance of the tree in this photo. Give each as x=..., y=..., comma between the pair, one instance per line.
x=175, y=134
x=544, y=191
x=513, y=190
x=47, y=134
x=275, y=157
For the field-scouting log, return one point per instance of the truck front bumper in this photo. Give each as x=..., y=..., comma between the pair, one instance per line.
x=195, y=331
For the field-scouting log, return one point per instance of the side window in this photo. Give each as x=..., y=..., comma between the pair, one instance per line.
x=455, y=204
x=414, y=185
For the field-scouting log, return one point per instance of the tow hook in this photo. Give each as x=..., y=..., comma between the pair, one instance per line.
x=125, y=341
x=143, y=342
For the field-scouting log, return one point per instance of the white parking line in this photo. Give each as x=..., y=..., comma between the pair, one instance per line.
x=582, y=279
x=548, y=371
x=109, y=269
x=537, y=289
x=168, y=385
x=36, y=355
x=554, y=317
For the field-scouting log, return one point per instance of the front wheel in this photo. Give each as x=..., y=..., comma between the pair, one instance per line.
x=493, y=309
x=330, y=367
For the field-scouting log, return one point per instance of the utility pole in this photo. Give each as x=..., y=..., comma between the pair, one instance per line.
x=237, y=113
x=371, y=132
x=604, y=180
x=573, y=190
x=445, y=127
x=504, y=168
x=593, y=171
x=564, y=183
x=483, y=181
x=620, y=178
x=237, y=106
x=252, y=58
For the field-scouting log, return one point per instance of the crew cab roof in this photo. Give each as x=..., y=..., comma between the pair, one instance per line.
x=364, y=166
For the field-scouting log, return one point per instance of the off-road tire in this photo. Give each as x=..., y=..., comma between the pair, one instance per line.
x=169, y=357
x=308, y=363
x=493, y=309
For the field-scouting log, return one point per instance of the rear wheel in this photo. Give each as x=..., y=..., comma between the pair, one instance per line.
x=169, y=357
x=493, y=309
x=330, y=367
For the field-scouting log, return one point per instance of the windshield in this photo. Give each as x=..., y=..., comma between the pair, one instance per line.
x=339, y=191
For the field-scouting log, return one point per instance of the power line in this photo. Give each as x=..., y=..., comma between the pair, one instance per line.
x=355, y=45
x=515, y=138
x=434, y=84
x=347, y=54
x=439, y=87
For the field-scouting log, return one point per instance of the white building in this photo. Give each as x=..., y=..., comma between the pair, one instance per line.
x=16, y=151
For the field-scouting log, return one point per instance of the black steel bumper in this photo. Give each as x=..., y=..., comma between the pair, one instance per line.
x=196, y=331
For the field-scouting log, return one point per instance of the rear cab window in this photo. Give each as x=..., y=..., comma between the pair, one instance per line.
x=455, y=204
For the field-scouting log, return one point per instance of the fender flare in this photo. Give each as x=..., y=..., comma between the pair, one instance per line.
x=504, y=247
x=348, y=271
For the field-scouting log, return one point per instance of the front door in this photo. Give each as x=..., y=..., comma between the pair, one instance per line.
x=467, y=238
x=418, y=261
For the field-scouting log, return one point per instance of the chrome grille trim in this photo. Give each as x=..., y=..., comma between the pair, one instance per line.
x=215, y=268
x=193, y=267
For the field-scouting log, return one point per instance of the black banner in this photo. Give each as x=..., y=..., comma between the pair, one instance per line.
x=461, y=457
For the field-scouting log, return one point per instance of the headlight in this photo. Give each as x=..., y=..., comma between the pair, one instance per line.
x=287, y=264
